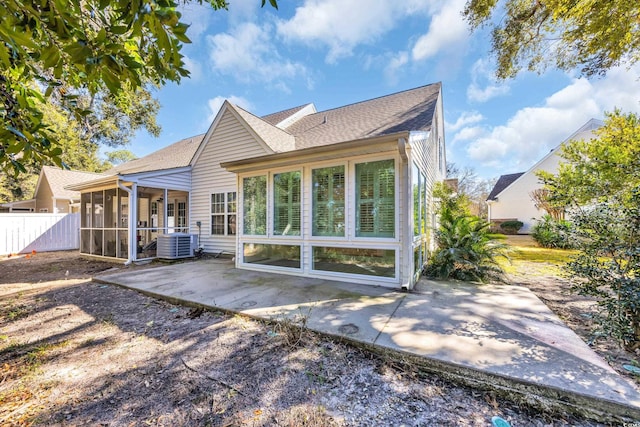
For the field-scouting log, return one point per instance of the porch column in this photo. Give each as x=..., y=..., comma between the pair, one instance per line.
x=165, y=202
x=133, y=222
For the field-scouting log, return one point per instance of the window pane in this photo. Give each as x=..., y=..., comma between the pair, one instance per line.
x=286, y=206
x=415, y=179
x=231, y=225
x=375, y=199
x=85, y=209
x=217, y=224
x=276, y=255
x=231, y=202
x=371, y=262
x=217, y=203
x=98, y=211
x=328, y=201
x=254, y=201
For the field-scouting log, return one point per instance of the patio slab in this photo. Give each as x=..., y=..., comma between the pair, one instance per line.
x=496, y=335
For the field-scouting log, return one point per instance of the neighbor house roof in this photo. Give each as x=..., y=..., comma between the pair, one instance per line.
x=58, y=179
x=176, y=155
x=409, y=110
x=503, y=182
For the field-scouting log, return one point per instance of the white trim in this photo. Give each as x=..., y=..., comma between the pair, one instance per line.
x=227, y=106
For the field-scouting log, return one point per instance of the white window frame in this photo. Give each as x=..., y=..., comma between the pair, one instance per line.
x=226, y=214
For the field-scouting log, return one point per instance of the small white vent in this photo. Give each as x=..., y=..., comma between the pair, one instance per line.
x=176, y=245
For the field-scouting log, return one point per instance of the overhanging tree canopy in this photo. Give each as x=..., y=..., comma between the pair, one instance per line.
x=591, y=35
x=51, y=49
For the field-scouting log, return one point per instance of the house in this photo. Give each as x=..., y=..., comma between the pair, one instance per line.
x=510, y=198
x=50, y=195
x=341, y=194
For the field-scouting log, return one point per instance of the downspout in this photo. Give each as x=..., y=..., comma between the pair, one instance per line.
x=130, y=222
x=406, y=231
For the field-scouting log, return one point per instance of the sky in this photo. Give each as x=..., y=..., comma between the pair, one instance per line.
x=337, y=52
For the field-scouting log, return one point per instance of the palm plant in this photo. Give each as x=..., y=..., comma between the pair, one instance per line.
x=466, y=249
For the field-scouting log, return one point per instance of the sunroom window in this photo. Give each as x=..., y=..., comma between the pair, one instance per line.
x=254, y=190
x=286, y=206
x=328, y=201
x=375, y=199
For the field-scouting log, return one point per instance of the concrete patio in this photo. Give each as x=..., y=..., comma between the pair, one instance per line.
x=495, y=336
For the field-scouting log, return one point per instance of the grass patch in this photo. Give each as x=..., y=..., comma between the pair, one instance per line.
x=536, y=254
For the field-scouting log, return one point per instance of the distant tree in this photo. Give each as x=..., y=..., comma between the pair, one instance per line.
x=593, y=36
x=542, y=198
x=117, y=157
x=476, y=189
x=599, y=184
x=61, y=50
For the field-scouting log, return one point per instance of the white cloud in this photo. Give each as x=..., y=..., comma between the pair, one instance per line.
x=339, y=24
x=468, y=133
x=466, y=118
x=198, y=16
x=447, y=32
x=214, y=105
x=194, y=68
x=531, y=132
x=483, y=84
x=394, y=66
x=247, y=54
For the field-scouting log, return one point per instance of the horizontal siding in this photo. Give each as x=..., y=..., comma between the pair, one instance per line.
x=229, y=141
x=174, y=181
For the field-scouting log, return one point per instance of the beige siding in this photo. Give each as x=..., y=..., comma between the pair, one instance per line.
x=229, y=141
x=44, y=198
x=172, y=180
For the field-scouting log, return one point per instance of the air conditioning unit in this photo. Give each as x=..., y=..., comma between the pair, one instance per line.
x=176, y=245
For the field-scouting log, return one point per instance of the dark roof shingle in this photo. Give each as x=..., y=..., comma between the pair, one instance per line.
x=503, y=182
x=410, y=110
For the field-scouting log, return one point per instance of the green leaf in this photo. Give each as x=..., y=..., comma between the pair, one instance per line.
x=16, y=132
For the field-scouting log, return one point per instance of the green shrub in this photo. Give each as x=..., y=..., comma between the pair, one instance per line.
x=551, y=233
x=608, y=266
x=511, y=227
x=466, y=251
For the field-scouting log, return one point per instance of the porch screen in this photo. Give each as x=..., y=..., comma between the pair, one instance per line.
x=375, y=199
x=328, y=201
x=286, y=203
x=254, y=201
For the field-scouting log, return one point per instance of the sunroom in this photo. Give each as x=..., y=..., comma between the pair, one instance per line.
x=353, y=211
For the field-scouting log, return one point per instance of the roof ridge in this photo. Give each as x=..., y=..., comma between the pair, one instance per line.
x=378, y=97
x=262, y=120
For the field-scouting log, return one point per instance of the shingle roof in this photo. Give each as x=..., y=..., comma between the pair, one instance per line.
x=503, y=182
x=410, y=110
x=60, y=178
x=273, y=136
x=176, y=155
x=275, y=118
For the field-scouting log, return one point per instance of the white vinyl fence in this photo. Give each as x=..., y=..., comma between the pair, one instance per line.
x=24, y=232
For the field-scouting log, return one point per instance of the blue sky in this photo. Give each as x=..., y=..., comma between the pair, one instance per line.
x=336, y=52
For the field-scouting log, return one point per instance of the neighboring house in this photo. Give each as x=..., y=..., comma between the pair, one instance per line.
x=510, y=198
x=50, y=195
x=341, y=194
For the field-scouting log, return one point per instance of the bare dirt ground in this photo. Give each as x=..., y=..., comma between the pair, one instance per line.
x=73, y=352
